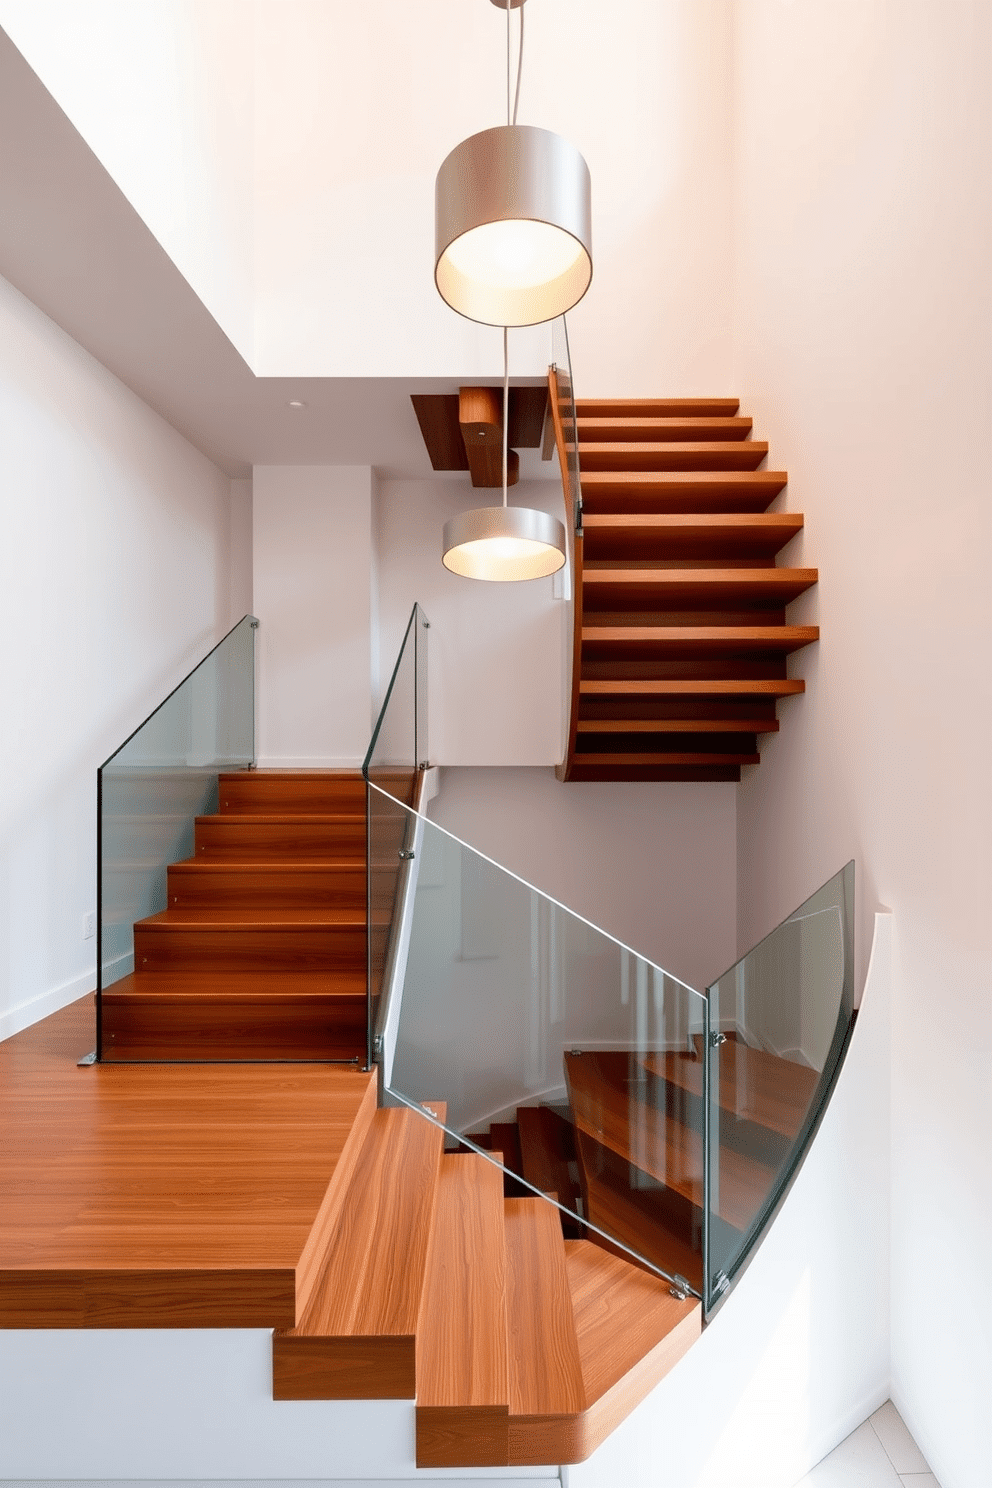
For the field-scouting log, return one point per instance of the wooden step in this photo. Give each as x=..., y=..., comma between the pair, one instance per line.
x=698, y=536
x=649, y=454
x=547, y=1149
x=244, y=838
x=272, y=939
x=656, y=407
x=198, y=1015
x=547, y=1397
x=197, y=882
x=636, y=491
x=630, y=1330
x=665, y=687
x=730, y=725
x=696, y=640
x=284, y=792
x=691, y=428
x=657, y=588
x=753, y=1086
x=504, y=1137
x=604, y=766
x=357, y=1339
x=462, y=1364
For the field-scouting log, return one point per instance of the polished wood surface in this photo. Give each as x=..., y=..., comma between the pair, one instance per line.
x=480, y=418
x=438, y=417
x=547, y=1148
x=679, y=584
x=261, y=952
x=546, y=1391
x=462, y=1364
x=357, y=1338
x=631, y=1332
x=753, y=1085
x=163, y=1196
x=681, y=687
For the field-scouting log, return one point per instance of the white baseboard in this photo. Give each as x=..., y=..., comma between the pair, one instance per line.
x=26, y=1013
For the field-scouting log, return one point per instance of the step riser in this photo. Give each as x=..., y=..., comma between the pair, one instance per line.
x=232, y=841
x=233, y=888
x=258, y=795
x=615, y=456
x=180, y=949
x=193, y=1029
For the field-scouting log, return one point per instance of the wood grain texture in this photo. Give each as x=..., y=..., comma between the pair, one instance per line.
x=546, y=1391
x=480, y=418
x=437, y=415
x=774, y=687
x=357, y=1338
x=646, y=454
x=660, y=588
x=697, y=534
x=609, y=408
x=628, y=428
x=257, y=792
x=753, y=1085
x=695, y=639
x=153, y=1196
x=196, y=883
x=241, y=837
x=462, y=1368
x=630, y=1331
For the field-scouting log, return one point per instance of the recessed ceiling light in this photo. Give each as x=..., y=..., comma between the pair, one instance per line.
x=297, y=403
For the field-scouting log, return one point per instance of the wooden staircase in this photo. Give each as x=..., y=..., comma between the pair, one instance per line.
x=520, y=1347
x=681, y=639
x=261, y=953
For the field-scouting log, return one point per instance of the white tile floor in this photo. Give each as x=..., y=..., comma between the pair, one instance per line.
x=880, y=1454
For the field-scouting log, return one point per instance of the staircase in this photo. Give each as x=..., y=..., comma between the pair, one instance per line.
x=521, y=1347
x=261, y=953
x=681, y=638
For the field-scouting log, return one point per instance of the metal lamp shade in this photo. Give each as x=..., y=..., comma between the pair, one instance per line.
x=513, y=226
x=503, y=544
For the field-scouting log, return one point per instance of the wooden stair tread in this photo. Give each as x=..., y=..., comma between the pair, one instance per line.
x=263, y=917
x=678, y=726
x=547, y=1396
x=239, y=985
x=694, y=687
x=665, y=757
x=462, y=1415
x=677, y=490
x=628, y=1119
x=244, y=819
x=664, y=587
x=656, y=407
x=649, y=454
x=654, y=427
x=778, y=638
x=754, y=1085
x=629, y=1327
x=357, y=1338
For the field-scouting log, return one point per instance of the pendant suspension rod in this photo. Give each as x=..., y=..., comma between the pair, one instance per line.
x=506, y=408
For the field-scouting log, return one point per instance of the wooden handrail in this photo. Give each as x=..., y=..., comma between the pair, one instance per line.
x=563, y=771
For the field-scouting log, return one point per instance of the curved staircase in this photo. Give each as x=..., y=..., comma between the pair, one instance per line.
x=681, y=635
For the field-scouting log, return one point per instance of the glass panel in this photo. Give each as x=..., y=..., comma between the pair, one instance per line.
x=548, y=1041
x=781, y=1021
x=397, y=750
x=567, y=440
x=165, y=775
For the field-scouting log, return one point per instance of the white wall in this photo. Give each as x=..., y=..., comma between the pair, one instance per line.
x=115, y=578
x=864, y=227
x=652, y=864
x=312, y=565
x=163, y=93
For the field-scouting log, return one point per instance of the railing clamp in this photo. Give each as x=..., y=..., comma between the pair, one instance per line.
x=424, y=765
x=406, y=853
x=721, y=1283
x=377, y=1046
x=716, y=1039
x=253, y=625
x=679, y=1288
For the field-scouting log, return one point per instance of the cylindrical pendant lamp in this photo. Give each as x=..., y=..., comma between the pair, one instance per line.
x=503, y=544
x=513, y=222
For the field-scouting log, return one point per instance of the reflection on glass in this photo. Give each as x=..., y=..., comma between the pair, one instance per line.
x=781, y=1020
x=151, y=790
x=544, y=1037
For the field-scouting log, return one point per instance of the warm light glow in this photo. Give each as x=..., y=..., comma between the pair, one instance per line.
x=504, y=559
x=513, y=254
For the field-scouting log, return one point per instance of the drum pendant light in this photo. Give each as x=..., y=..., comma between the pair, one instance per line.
x=503, y=544
x=513, y=220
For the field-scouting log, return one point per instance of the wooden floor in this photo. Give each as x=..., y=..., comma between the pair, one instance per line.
x=166, y=1195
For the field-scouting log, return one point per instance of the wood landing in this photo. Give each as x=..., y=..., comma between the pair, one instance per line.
x=147, y=1196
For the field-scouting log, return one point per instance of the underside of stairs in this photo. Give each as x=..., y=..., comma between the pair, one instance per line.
x=261, y=952
x=681, y=636
x=521, y=1347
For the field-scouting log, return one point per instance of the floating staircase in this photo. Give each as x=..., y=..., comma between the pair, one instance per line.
x=261, y=953
x=681, y=638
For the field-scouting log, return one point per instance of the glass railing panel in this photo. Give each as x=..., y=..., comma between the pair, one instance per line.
x=780, y=1022
x=164, y=775
x=547, y=1040
x=562, y=391
x=394, y=762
